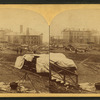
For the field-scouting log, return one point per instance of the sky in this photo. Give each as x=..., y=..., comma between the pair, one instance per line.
x=75, y=19
x=12, y=18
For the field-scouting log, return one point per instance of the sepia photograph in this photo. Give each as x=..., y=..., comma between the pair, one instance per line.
x=49, y=50
x=24, y=48
x=75, y=52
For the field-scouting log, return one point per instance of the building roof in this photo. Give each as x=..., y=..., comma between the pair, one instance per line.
x=72, y=29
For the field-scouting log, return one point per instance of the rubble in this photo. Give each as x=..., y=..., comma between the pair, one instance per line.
x=87, y=86
x=5, y=87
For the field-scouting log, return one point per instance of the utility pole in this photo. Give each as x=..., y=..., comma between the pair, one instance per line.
x=49, y=58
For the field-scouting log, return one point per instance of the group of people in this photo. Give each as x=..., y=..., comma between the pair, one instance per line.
x=20, y=51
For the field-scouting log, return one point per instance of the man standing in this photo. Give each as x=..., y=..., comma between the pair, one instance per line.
x=76, y=51
x=17, y=50
x=20, y=50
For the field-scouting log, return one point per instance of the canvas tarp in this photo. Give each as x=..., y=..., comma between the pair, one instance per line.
x=61, y=60
x=42, y=64
x=19, y=62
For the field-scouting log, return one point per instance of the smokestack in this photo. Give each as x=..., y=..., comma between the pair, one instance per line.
x=21, y=29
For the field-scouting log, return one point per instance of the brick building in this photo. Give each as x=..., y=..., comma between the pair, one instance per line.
x=24, y=39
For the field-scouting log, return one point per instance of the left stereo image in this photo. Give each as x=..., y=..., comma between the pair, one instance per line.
x=24, y=52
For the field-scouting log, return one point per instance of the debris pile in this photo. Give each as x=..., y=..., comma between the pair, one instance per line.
x=15, y=87
x=87, y=86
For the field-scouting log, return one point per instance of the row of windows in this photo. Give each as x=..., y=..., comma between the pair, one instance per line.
x=77, y=33
x=30, y=37
x=25, y=40
x=31, y=42
x=81, y=40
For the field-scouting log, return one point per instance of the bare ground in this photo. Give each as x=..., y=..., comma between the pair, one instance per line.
x=10, y=74
x=88, y=65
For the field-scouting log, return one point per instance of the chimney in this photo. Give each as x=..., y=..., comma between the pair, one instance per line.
x=21, y=29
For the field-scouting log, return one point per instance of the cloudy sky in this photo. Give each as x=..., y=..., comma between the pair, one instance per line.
x=12, y=18
x=83, y=19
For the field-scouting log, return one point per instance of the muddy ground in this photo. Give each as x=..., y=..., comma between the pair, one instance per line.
x=88, y=65
x=88, y=69
x=8, y=73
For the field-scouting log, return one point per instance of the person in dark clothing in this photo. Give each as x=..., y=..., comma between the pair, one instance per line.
x=34, y=51
x=17, y=50
x=20, y=51
x=76, y=51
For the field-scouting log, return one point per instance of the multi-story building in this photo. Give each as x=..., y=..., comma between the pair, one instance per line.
x=80, y=36
x=2, y=36
x=24, y=39
x=20, y=38
x=56, y=40
x=31, y=39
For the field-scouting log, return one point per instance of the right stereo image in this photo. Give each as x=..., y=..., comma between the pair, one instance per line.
x=75, y=52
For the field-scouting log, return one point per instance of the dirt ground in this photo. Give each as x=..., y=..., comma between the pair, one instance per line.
x=88, y=65
x=10, y=74
x=88, y=69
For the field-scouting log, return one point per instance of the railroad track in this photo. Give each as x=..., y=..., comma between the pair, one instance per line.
x=34, y=78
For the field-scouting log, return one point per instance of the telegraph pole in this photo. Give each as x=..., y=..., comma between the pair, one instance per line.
x=49, y=58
